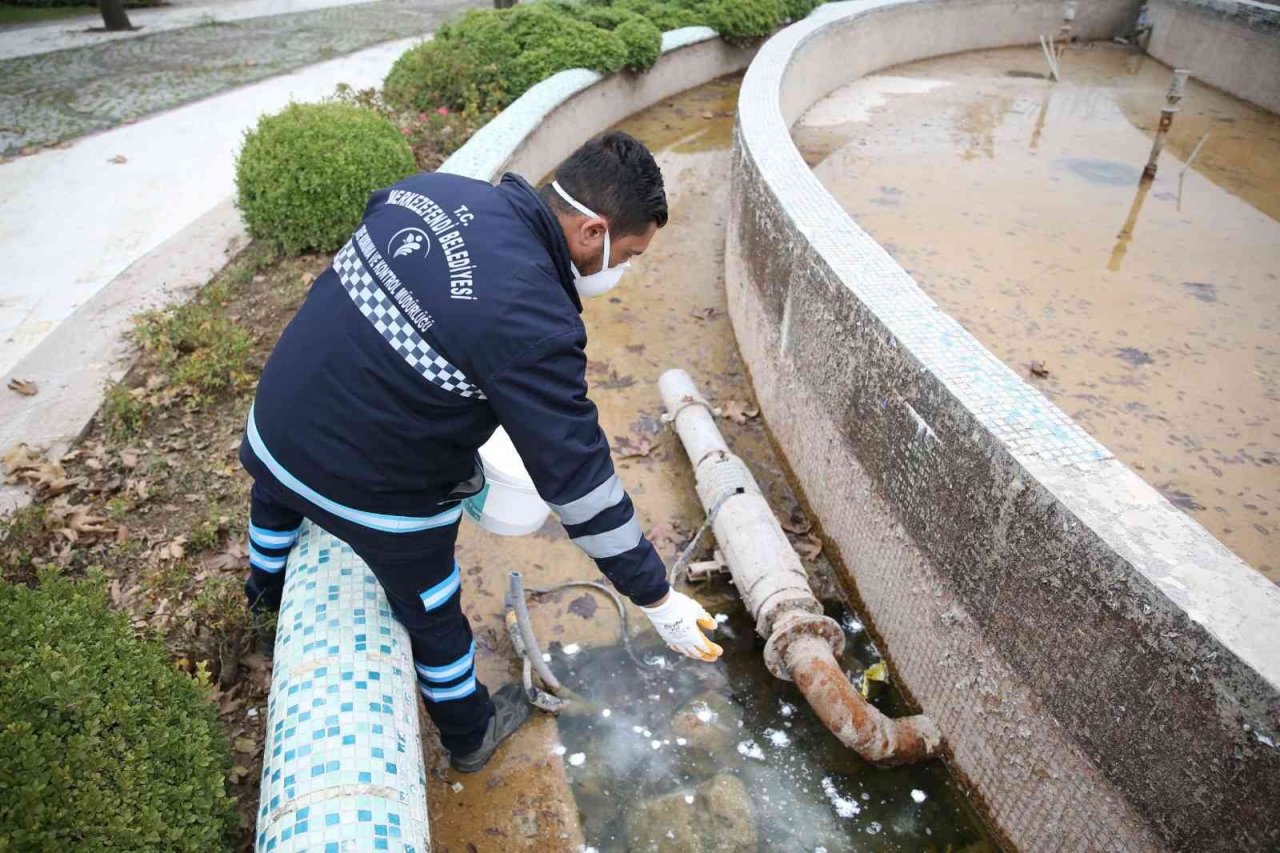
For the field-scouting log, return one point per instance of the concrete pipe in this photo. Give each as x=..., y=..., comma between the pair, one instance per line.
x=801, y=644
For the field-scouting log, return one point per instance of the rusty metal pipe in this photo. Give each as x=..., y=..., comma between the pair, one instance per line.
x=856, y=722
x=801, y=643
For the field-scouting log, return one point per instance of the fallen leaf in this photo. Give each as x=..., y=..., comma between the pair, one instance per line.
x=628, y=447
x=239, y=772
x=601, y=367
x=129, y=458
x=615, y=381
x=738, y=411
x=174, y=549
x=667, y=536
x=25, y=387
x=584, y=605
x=705, y=313
x=1038, y=369
x=244, y=744
x=794, y=522
x=119, y=159
x=808, y=547
x=635, y=348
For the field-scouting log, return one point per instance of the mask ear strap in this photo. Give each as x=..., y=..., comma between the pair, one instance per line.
x=582, y=208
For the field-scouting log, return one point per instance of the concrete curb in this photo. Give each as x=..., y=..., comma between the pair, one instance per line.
x=1105, y=671
x=74, y=363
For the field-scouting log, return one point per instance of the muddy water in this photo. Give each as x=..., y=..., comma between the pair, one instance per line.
x=755, y=767
x=1015, y=203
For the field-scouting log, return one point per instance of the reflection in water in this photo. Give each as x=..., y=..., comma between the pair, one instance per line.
x=1126, y=230
x=1025, y=220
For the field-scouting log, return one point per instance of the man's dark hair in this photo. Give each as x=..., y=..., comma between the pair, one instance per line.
x=616, y=176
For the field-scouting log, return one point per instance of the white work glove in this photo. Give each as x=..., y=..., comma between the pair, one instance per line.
x=679, y=621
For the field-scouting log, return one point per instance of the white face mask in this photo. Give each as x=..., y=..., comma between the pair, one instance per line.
x=598, y=282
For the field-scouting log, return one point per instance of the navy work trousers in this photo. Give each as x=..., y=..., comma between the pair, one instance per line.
x=420, y=577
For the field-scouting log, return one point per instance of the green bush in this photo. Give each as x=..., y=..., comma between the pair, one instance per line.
x=797, y=9
x=467, y=67
x=744, y=20
x=643, y=42
x=551, y=40
x=304, y=174
x=665, y=16
x=103, y=744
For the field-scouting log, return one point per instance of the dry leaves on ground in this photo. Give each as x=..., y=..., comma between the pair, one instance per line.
x=25, y=387
x=45, y=479
x=615, y=381
x=668, y=536
x=1038, y=369
x=705, y=313
x=809, y=547
x=794, y=522
x=738, y=411
x=630, y=447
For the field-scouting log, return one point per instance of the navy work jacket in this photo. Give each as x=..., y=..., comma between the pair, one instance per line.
x=451, y=310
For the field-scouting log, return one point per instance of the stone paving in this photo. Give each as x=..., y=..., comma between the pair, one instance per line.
x=58, y=96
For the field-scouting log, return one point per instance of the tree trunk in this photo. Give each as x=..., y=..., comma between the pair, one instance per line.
x=113, y=15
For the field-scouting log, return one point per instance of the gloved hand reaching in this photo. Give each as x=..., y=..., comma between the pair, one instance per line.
x=680, y=621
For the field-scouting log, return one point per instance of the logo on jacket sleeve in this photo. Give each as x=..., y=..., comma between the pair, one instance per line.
x=406, y=241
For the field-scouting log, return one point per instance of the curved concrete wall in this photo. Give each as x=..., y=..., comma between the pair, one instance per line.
x=343, y=766
x=1232, y=45
x=1106, y=673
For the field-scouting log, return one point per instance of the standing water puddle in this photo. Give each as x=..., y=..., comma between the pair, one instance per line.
x=681, y=756
x=692, y=756
x=1147, y=313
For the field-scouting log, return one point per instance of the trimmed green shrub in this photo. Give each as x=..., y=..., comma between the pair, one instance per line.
x=466, y=68
x=552, y=41
x=664, y=16
x=103, y=744
x=304, y=174
x=798, y=9
x=643, y=42
x=744, y=20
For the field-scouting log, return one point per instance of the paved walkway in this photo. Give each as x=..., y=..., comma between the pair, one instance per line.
x=64, y=33
x=62, y=95
x=71, y=220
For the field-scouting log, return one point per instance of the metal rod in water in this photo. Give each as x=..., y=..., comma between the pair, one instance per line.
x=1171, y=102
x=1187, y=165
x=1050, y=58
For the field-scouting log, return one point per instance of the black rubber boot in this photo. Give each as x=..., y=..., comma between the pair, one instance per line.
x=510, y=711
x=264, y=627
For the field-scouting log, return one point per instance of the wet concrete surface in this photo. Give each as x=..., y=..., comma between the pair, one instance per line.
x=1148, y=313
x=537, y=793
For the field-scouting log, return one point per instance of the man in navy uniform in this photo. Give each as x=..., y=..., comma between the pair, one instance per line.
x=454, y=308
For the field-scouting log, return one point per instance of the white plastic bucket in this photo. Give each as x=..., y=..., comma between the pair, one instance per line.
x=508, y=504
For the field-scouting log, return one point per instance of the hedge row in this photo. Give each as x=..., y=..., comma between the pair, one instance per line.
x=103, y=744
x=303, y=176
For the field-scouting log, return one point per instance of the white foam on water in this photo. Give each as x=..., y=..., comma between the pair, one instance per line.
x=572, y=649
x=751, y=749
x=778, y=738
x=918, y=795
x=578, y=759
x=558, y=749
x=786, y=709
x=844, y=808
